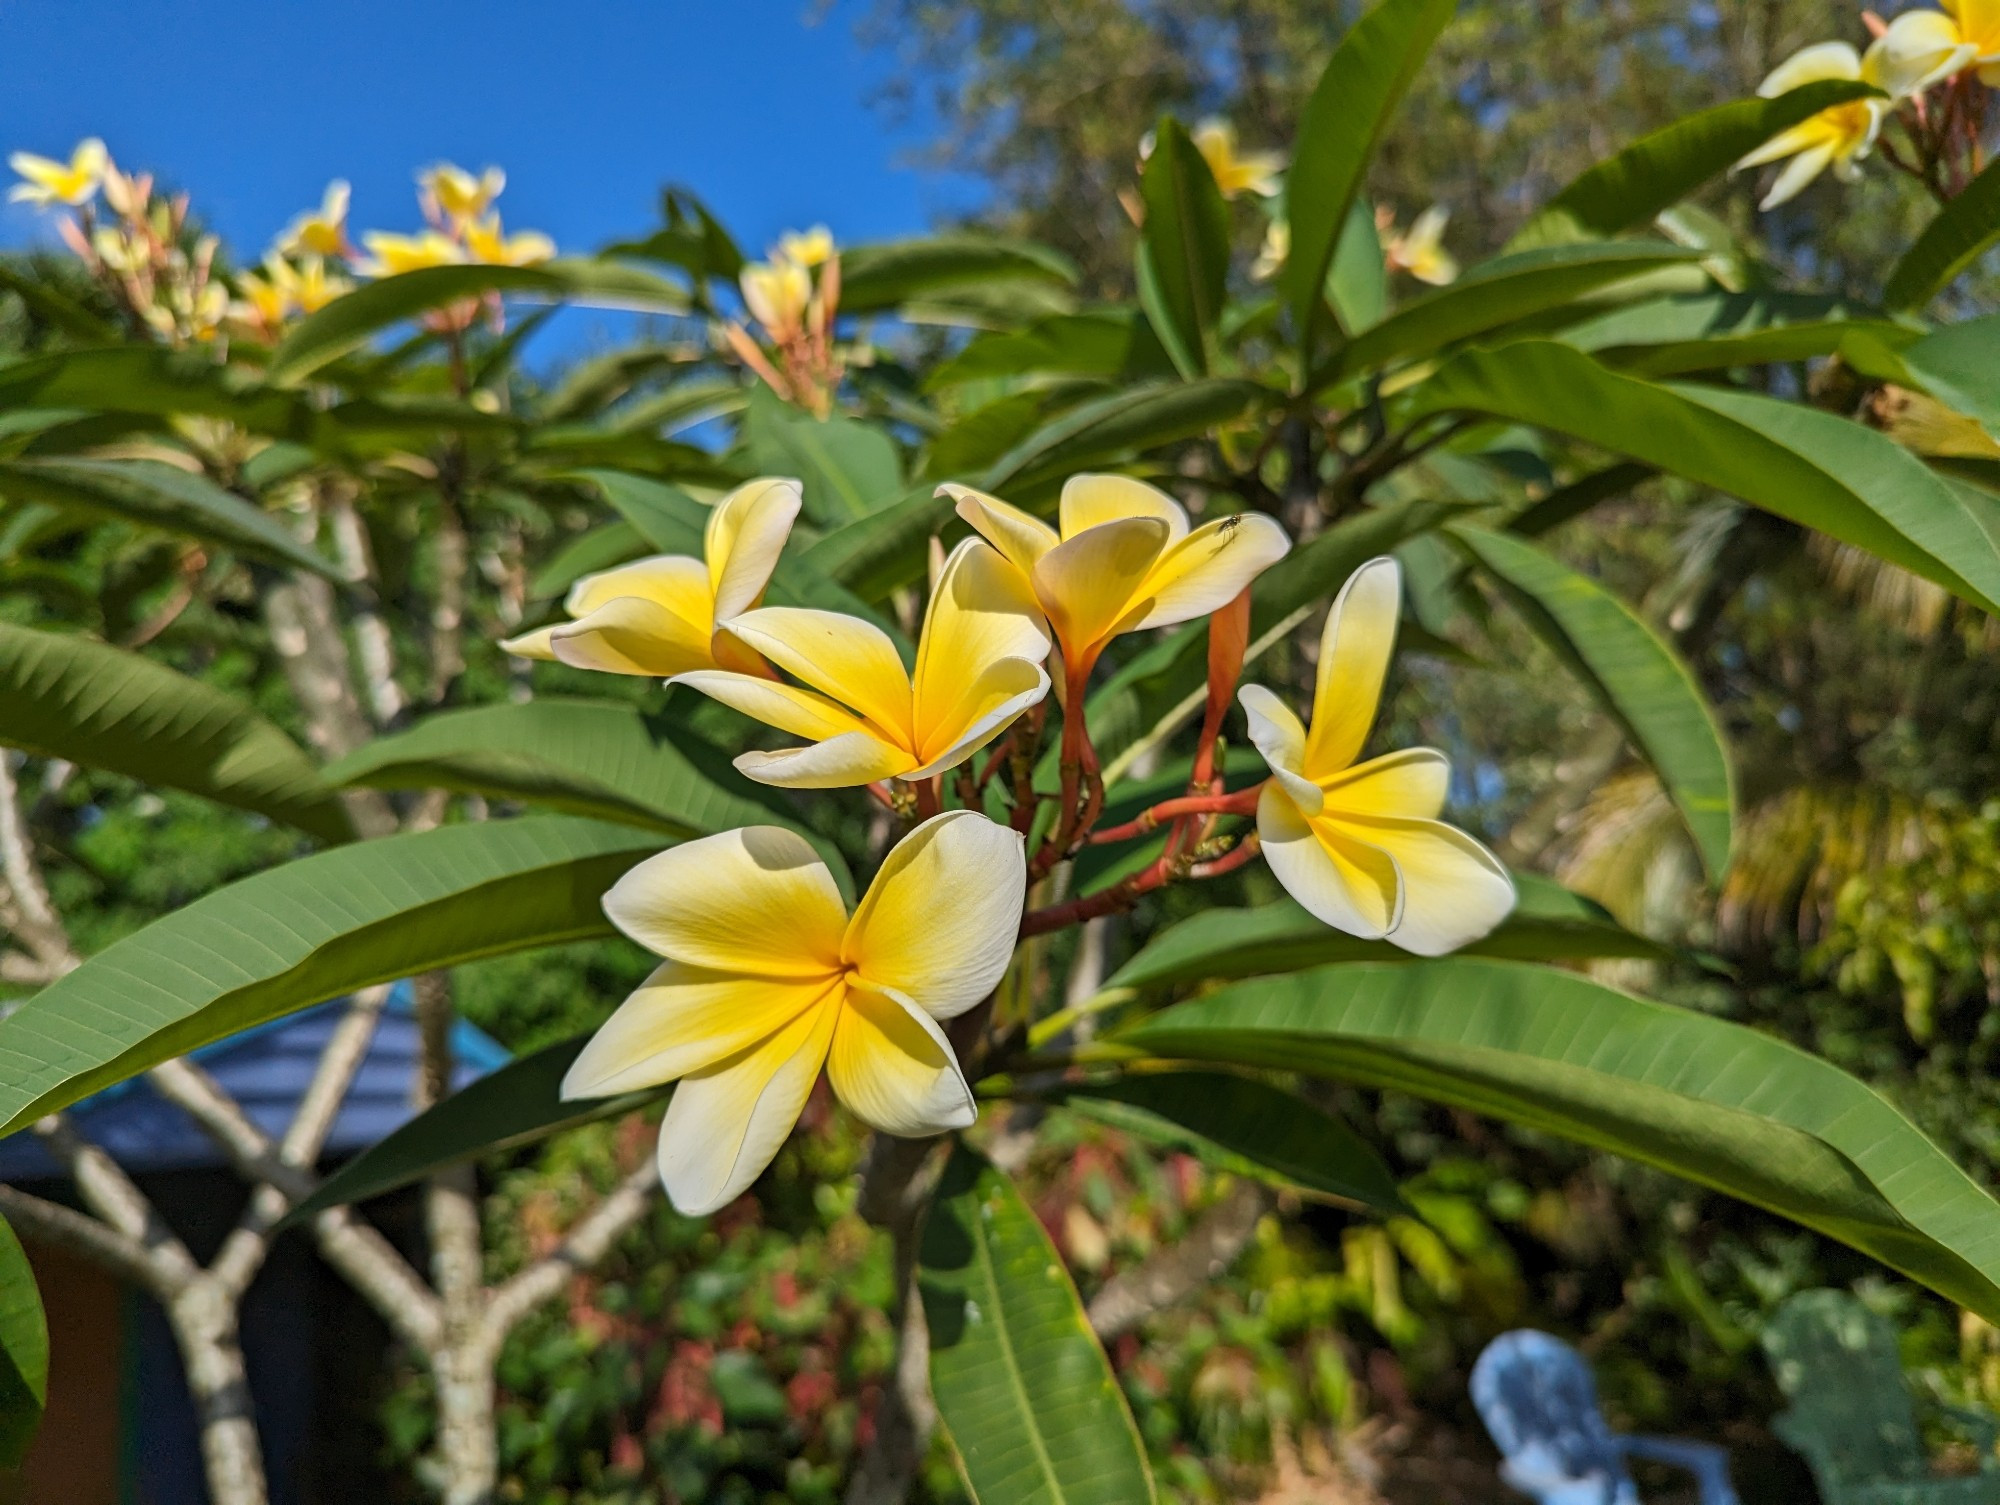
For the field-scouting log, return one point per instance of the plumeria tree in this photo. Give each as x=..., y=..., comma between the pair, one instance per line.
x=875, y=718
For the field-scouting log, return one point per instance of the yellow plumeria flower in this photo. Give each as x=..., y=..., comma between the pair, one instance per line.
x=1359, y=844
x=1920, y=47
x=321, y=232
x=486, y=243
x=47, y=181
x=1420, y=250
x=767, y=978
x=662, y=616
x=392, y=255
x=1838, y=137
x=1236, y=172
x=458, y=194
x=978, y=667
x=1124, y=559
x=1276, y=250
x=311, y=286
x=806, y=248
x=777, y=293
x=1978, y=26
x=266, y=301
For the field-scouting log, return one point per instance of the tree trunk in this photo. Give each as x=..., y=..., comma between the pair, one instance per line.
x=467, y=1454
x=203, y=1316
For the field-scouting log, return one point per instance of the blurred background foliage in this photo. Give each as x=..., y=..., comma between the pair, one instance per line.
x=737, y=1359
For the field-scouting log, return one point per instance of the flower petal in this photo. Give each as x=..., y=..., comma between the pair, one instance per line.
x=535, y=645
x=1354, y=653
x=940, y=919
x=684, y=1019
x=1811, y=64
x=1090, y=500
x=1086, y=584
x=893, y=1068
x=1022, y=538
x=1454, y=890
x=803, y=713
x=631, y=636
x=746, y=533
x=671, y=580
x=1280, y=738
x=1798, y=173
x=981, y=611
x=844, y=657
x=1346, y=884
x=844, y=762
x=1209, y=568
x=1412, y=783
x=725, y=1124
x=756, y=900
x=993, y=700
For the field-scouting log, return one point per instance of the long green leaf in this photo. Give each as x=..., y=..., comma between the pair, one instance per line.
x=876, y=278
x=874, y=555
x=24, y=1352
x=1183, y=248
x=299, y=934
x=349, y=322
x=1096, y=343
x=1022, y=1386
x=1633, y=672
x=1662, y=168
x=1498, y=293
x=160, y=496
x=1350, y=107
x=1139, y=417
x=1711, y=1101
x=1819, y=470
x=1549, y=923
x=517, y=1105
x=1244, y=1126
x=1960, y=366
x=103, y=707
x=148, y=379
x=849, y=469
x=1963, y=231
x=601, y=548
x=1718, y=330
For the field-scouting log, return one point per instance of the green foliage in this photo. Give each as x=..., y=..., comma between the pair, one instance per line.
x=24, y=1352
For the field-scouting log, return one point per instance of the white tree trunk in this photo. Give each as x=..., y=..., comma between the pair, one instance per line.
x=203, y=1317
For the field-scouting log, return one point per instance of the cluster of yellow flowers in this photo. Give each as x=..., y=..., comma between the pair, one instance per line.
x=793, y=296
x=766, y=977
x=1956, y=46
x=139, y=256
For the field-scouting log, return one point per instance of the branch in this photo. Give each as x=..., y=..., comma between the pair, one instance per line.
x=107, y=1191
x=65, y=1228
x=1176, y=1273
x=29, y=912
x=588, y=1242
x=306, y=635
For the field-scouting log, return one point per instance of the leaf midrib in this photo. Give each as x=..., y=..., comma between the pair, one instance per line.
x=1006, y=1340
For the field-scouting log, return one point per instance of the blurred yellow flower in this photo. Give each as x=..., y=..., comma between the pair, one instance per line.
x=1236, y=172
x=46, y=181
x=766, y=978
x=265, y=301
x=806, y=248
x=1838, y=137
x=485, y=242
x=1271, y=256
x=458, y=195
x=777, y=293
x=1359, y=845
x=1420, y=249
x=869, y=718
x=321, y=232
x=1124, y=560
x=309, y=283
x=663, y=616
x=391, y=255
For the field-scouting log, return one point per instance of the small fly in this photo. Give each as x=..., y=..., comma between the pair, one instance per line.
x=1228, y=529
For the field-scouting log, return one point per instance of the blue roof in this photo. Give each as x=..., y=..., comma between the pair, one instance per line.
x=267, y=1070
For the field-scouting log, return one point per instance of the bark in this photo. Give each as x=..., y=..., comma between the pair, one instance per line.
x=1176, y=1273
x=203, y=1317
x=306, y=635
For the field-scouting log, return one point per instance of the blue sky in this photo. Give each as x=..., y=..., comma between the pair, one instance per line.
x=590, y=105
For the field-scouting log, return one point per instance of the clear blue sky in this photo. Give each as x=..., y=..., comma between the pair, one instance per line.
x=590, y=105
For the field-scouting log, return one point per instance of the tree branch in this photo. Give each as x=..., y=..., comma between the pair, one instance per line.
x=587, y=1242
x=1175, y=1273
x=65, y=1228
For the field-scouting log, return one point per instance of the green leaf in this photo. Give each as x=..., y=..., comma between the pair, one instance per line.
x=24, y=1352
x=664, y=515
x=601, y=758
x=1549, y=923
x=849, y=468
x=1633, y=672
x=877, y=278
x=1183, y=248
x=1023, y=1388
x=1723, y=1106
x=519, y=1104
x=1142, y=416
x=693, y=240
x=1819, y=470
x=350, y=321
x=148, y=379
x=1498, y=293
x=54, y=306
x=1662, y=168
x=311, y=930
x=599, y=549
x=875, y=555
x=1097, y=343
x=1244, y=1126
x=1577, y=498
x=1358, y=282
x=104, y=707
x=1350, y=107
x=1960, y=367
x=160, y=496
x=1716, y=331
x=1962, y=231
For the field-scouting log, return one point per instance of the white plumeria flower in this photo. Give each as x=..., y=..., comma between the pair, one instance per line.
x=1919, y=48
x=767, y=978
x=1838, y=137
x=45, y=181
x=1360, y=845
